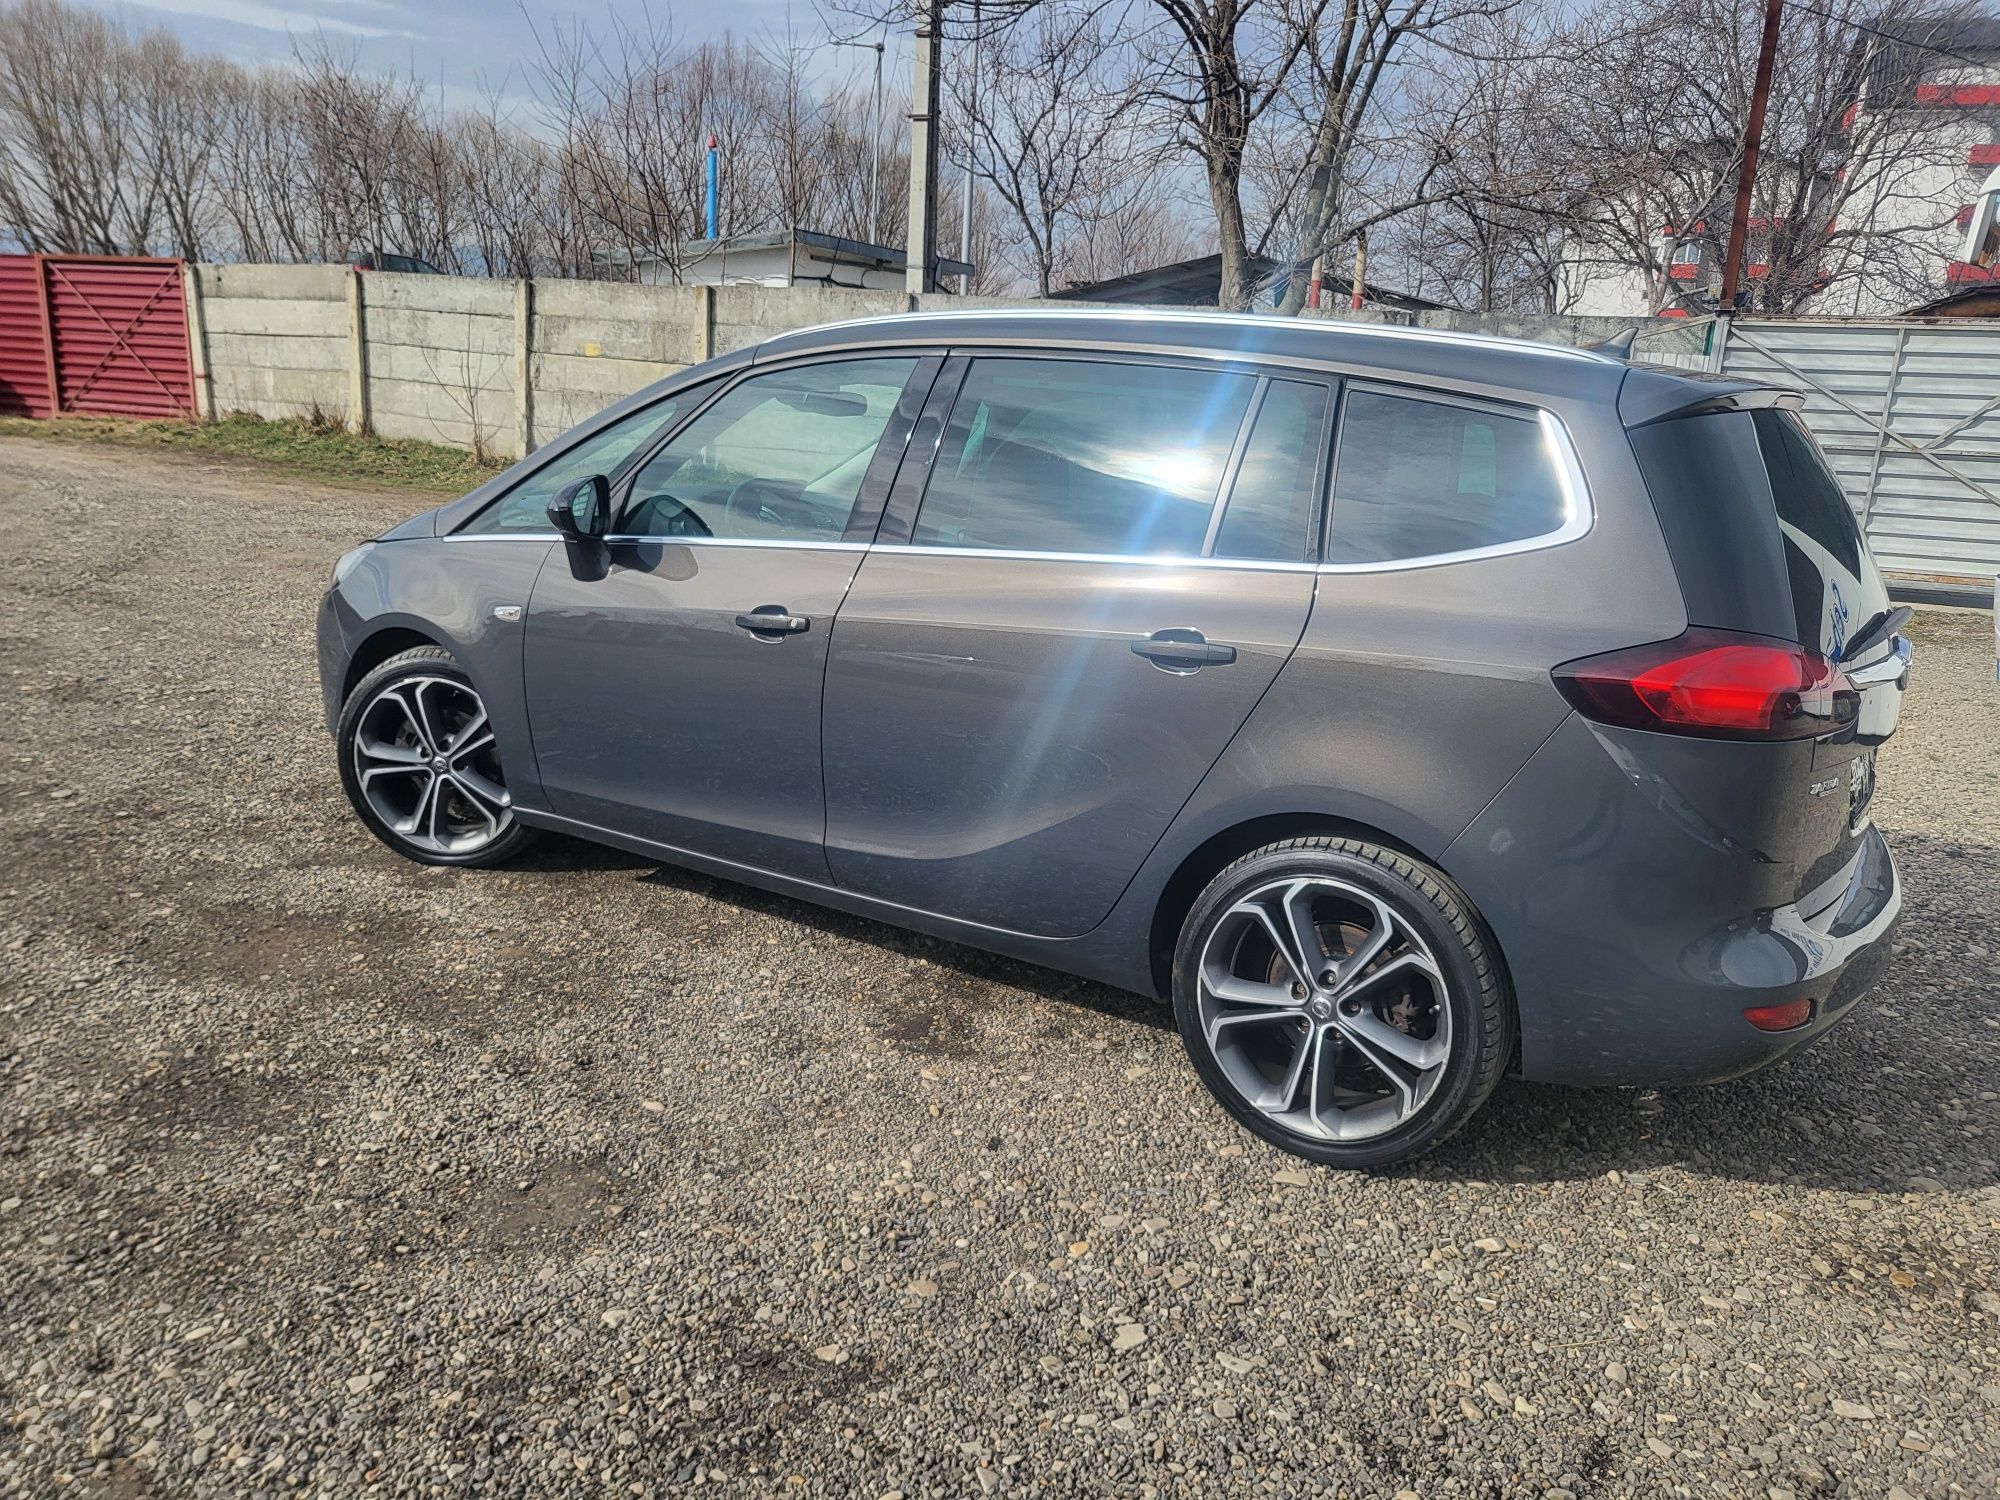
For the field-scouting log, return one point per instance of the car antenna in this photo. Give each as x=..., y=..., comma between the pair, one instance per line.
x=1619, y=345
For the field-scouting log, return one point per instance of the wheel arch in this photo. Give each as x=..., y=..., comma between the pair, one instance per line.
x=377, y=647
x=1201, y=864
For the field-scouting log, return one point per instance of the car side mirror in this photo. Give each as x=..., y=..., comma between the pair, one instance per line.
x=581, y=509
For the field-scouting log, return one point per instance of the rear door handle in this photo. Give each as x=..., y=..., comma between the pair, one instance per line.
x=1183, y=651
x=773, y=619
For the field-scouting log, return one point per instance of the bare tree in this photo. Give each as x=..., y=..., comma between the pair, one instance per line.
x=1051, y=124
x=1847, y=190
x=1491, y=236
x=72, y=179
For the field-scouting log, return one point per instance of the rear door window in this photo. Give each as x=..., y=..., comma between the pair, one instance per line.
x=1269, y=513
x=1082, y=456
x=1418, y=477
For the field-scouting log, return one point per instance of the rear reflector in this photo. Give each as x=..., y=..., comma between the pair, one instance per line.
x=1787, y=1017
x=1713, y=683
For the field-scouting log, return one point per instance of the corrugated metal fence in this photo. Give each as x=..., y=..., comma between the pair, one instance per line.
x=1909, y=415
x=87, y=334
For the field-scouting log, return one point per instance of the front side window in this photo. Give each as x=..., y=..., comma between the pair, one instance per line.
x=1420, y=478
x=525, y=506
x=1054, y=455
x=777, y=457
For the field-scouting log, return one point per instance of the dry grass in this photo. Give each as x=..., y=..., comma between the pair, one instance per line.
x=311, y=445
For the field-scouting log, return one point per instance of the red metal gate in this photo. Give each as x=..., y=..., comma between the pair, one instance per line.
x=26, y=382
x=98, y=334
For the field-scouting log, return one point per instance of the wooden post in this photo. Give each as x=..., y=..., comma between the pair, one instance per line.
x=524, y=396
x=357, y=354
x=704, y=323
x=1746, y=174
x=197, y=335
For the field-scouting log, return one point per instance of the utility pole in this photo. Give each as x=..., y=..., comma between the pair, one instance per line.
x=1753, y=140
x=874, y=145
x=920, y=269
x=965, y=200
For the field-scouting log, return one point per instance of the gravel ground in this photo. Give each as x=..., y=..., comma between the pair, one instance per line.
x=326, y=1173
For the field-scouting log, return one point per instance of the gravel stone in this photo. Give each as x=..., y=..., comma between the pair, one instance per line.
x=338, y=1164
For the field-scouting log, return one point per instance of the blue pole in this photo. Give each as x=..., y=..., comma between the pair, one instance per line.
x=714, y=184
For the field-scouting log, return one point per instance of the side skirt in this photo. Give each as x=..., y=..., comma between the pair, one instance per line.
x=1069, y=955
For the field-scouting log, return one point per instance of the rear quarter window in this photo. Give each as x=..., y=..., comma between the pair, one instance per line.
x=1417, y=477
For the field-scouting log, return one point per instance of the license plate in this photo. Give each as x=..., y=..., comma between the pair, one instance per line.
x=1860, y=789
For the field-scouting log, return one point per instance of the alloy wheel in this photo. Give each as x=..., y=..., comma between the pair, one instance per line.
x=1324, y=1008
x=426, y=762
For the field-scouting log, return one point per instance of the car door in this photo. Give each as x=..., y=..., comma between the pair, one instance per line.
x=673, y=672
x=1090, y=571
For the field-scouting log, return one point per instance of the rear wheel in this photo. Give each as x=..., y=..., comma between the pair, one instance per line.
x=1341, y=1000
x=421, y=765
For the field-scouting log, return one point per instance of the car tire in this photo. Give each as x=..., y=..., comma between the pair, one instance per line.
x=421, y=767
x=1394, y=1037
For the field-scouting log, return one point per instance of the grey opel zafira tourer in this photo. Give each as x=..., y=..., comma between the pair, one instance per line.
x=1405, y=707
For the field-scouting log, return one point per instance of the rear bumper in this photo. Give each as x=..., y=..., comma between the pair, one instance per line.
x=1830, y=949
x=1633, y=934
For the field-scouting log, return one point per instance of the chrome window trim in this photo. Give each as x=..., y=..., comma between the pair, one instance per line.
x=673, y=541
x=1579, y=510
x=790, y=544
x=1136, y=559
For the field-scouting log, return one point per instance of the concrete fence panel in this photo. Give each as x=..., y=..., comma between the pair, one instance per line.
x=751, y=314
x=274, y=339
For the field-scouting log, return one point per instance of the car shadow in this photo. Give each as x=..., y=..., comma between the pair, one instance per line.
x=973, y=963
x=1780, y=1127
x=1887, y=1101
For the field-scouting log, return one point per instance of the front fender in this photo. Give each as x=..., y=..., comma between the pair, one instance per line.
x=446, y=591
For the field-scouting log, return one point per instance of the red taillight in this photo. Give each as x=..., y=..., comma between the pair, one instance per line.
x=1713, y=683
x=1787, y=1017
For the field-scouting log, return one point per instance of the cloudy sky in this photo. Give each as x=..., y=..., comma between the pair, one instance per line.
x=478, y=46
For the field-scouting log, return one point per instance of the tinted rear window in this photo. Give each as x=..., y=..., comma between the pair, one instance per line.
x=1420, y=478
x=1761, y=536
x=1835, y=589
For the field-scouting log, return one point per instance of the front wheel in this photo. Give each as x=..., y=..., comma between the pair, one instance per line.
x=1342, y=1001
x=420, y=763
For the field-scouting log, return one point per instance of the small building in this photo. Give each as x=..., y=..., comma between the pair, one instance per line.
x=1198, y=283
x=779, y=257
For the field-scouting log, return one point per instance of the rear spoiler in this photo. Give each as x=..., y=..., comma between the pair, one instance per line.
x=1651, y=394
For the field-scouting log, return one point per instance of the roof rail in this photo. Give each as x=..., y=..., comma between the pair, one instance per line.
x=1178, y=315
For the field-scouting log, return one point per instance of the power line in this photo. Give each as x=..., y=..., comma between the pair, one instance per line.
x=1888, y=36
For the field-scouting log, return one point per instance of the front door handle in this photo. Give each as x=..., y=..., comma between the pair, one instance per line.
x=773, y=620
x=1182, y=651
